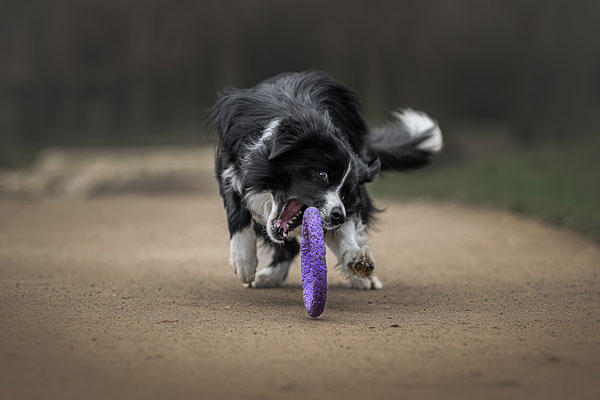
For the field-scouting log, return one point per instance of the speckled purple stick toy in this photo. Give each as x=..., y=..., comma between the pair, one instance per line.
x=313, y=264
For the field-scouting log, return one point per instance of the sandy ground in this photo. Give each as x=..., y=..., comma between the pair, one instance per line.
x=130, y=296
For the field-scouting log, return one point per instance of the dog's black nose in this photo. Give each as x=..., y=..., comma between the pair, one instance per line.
x=337, y=216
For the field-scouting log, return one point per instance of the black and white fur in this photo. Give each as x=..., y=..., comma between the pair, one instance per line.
x=299, y=140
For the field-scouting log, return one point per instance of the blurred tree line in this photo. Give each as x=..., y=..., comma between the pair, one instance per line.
x=141, y=71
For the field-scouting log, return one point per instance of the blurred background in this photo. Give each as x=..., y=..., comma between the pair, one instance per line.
x=515, y=85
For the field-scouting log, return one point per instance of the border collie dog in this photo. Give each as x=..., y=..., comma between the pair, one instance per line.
x=298, y=140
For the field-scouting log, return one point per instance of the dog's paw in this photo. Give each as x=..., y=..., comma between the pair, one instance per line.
x=361, y=262
x=242, y=255
x=270, y=276
x=244, y=266
x=365, y=283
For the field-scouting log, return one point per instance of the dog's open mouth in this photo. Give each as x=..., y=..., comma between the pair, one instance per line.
x=288, y=218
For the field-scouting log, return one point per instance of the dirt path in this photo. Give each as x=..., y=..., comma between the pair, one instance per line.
x=131, y=297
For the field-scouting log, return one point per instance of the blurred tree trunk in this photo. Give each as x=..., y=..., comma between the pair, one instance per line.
x=139, y=36
x=229, y=63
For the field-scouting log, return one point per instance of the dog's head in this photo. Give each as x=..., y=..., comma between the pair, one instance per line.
x=306, y=164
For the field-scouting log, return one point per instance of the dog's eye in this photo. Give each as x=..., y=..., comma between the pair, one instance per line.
x=323, y=175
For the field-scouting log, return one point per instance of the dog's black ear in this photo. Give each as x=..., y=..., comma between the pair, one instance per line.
x=285, y=138
x=371, y=170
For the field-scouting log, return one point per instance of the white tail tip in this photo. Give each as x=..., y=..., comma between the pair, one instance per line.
x=418, y=123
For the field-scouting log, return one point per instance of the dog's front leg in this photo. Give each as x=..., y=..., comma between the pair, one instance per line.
x=242, y=242
x=350, y=244
x=242, y=254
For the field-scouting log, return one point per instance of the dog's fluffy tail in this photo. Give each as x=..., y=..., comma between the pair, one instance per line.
x=408, y=142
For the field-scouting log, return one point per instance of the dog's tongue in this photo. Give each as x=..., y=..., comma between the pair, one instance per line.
x=291, y=209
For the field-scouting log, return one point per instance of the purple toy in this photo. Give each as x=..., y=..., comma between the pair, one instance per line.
x=313, y=264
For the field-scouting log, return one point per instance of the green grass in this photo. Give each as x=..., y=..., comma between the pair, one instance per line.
x=559, y=184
